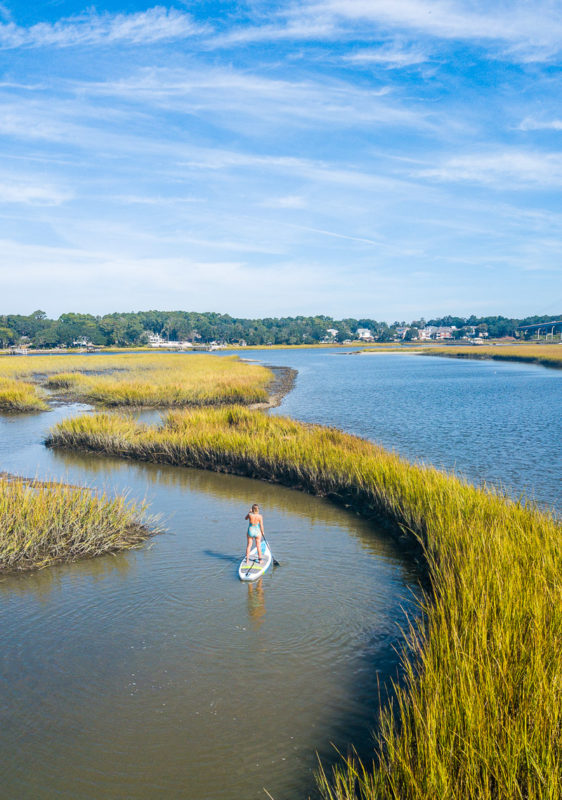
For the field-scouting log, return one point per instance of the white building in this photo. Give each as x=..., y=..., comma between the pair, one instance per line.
x=436, y=332
x=155, y=340
x=364, y=335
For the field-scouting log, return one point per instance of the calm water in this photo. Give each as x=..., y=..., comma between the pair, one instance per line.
x=495, y=422
x=158, y=673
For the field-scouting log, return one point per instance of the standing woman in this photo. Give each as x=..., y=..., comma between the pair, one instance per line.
x=255, y=530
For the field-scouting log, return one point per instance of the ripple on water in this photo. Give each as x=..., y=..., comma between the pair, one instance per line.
x=157, y=670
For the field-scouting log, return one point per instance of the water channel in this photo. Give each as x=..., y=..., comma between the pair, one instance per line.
x=158, y=674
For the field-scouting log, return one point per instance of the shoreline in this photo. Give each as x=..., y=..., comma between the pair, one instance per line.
x=522, y=358
x=283, y=382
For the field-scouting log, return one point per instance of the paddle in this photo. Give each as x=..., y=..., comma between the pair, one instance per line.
x=275, y=562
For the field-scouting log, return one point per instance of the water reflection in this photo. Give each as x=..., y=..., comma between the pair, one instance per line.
x=41, y=583
x=256, y=603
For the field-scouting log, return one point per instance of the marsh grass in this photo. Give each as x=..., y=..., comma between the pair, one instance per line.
x=43, y=524
x=152, y=380
x=20, y=396
x=479, y=714
x=549, y=355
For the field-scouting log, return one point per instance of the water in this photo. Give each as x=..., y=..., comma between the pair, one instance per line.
x=492, y=422
x=158, y=673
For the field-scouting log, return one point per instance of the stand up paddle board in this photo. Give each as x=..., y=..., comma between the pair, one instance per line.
x=252, y=570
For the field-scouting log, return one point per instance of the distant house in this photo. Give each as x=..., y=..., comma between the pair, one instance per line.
x=445, y=332
x=364, y=335
x=155, y=340
x=83, y=342
x=427, y=333
x=436, y=332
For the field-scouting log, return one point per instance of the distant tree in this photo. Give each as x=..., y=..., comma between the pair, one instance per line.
x=7, y=336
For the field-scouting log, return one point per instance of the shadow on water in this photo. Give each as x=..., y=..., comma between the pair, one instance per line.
x=223, y=557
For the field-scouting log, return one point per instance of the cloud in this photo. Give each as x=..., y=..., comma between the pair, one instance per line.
x=525, y=31
x=238, y=96
x=89, y=29
x=531, y=124
x=506, y=169
x=288, y=201
x=32, y=194
x=390, y=57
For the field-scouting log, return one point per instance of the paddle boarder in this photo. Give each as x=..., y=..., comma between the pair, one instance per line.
x=255, y=531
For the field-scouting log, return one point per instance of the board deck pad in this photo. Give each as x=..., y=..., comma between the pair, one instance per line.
x=252, y=570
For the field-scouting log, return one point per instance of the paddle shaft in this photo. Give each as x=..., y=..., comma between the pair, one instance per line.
x=275, y=562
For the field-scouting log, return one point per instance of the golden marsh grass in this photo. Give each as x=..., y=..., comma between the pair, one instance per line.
x=550, y=355
x=151, y=379
x=44, y=524
x=20, y=396
x=480, y=712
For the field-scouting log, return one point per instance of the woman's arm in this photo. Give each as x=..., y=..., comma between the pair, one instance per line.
x=261, y=526
x=247, y=516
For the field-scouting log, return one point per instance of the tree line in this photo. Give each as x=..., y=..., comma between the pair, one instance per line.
x=133, y=328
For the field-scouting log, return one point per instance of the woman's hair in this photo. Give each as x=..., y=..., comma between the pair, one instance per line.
x=255, y=507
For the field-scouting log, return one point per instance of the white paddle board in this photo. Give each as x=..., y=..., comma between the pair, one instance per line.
x=252, y=570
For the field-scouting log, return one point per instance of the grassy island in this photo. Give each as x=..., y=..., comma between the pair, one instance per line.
x=20, y=396
x=138, y=379
x=480, y=713
x=43, y=524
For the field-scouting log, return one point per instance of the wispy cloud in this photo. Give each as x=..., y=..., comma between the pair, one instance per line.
x=533, y=124
x=508, y=20
x=154, y=25
x=238, y=96
x=30, y=193
x=504, y=169
x=389, y=56
x=526, y=31
x=374, y=139
x=288, y=201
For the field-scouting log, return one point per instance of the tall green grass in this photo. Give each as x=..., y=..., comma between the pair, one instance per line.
x=480, y=714
x=44, y=524
x=20, y=396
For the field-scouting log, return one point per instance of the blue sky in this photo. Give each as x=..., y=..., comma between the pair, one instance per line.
x=348, y=157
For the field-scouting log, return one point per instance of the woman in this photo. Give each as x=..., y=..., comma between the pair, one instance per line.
x=255, y=531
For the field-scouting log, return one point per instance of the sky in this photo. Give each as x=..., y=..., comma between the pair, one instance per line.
x=356, y=158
